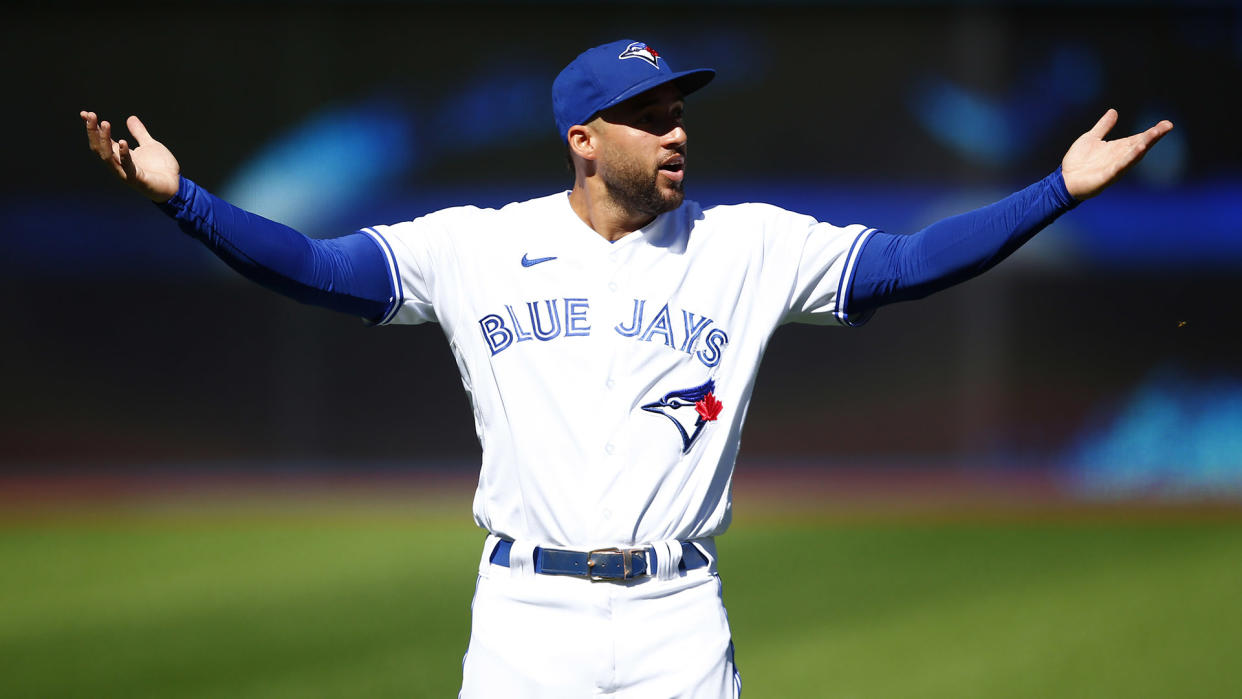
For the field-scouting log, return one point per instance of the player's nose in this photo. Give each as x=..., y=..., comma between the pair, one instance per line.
x=674, y=138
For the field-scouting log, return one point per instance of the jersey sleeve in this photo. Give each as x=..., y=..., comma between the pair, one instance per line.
x=416, y=253
x=823, y=258
x=346, y=274
x=896, y=268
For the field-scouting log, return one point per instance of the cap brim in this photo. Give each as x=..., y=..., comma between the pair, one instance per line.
x=687, y=81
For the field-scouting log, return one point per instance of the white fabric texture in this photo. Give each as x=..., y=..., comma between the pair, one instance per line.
x=588, y=363
x=489, y=545
x=554, y=636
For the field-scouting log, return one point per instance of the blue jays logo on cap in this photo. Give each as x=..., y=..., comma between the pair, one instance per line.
x=689, y=423
x=638, y=49
x=602, y=77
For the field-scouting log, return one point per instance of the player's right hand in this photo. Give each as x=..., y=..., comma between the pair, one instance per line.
x=150, y=168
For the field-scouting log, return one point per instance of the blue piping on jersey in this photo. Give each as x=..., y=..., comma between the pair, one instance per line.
x=395, y=274
x=846, y=282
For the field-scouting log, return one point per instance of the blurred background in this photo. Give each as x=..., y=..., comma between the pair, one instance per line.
x=1105, y=352
x=1096, y=371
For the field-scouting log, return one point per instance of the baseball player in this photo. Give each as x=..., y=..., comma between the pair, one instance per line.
x=608, y=338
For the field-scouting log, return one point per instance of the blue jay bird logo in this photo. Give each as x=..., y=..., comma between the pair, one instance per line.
x=638, y=49
x=689, y=423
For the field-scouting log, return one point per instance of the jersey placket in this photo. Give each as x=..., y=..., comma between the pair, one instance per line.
x=611, y=290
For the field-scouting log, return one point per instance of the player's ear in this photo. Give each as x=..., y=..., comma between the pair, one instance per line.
x=582, y=142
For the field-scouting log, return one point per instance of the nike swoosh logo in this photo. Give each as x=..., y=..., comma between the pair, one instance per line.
x=531, y=263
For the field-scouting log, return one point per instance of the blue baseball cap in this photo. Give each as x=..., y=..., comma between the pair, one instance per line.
x=608, y=75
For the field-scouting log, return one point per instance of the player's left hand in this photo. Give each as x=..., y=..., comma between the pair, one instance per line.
x=1091, y=164
x=150, y=168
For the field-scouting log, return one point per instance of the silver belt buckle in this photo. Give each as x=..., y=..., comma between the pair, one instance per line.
x=627, y=563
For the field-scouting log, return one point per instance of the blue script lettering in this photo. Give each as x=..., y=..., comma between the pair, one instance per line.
x=554, y=320
x=494, y=331
x=519, y=335
x=716, y=341
x=660, y=325
x=545, y=318
x=576, y=324
x=636, y=322
x=693, y=330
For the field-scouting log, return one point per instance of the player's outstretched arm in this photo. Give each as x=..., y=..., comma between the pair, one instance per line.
x=150, y=168
x=895, y=268
x=1091, y=164
x=348, y=274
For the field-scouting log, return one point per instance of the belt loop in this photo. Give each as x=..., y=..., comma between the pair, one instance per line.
x=668, y=559
x=522, y=559
x=489, y=545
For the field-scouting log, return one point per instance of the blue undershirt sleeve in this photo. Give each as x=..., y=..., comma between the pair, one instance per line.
x=895, y=268
x=347, y=274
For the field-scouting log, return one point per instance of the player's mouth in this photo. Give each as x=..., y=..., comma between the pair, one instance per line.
x=674, y=168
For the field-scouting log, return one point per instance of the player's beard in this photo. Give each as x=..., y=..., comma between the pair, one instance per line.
x=635, y=187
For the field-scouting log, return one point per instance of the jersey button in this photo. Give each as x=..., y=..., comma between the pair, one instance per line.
x=610, y=384
x=612, y=286
x=610, y=448
x=607, y=514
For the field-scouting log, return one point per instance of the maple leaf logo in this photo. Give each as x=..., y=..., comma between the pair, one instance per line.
x=708, y=407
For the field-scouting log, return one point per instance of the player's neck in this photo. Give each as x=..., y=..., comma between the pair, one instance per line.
x=590, y=201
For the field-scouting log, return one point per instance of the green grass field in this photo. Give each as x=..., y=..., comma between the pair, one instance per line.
x=350, y=601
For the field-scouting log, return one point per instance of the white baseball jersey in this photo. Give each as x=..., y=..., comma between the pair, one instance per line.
x=610, y=381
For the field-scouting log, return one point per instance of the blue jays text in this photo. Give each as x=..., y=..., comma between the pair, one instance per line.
x=548, y=319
